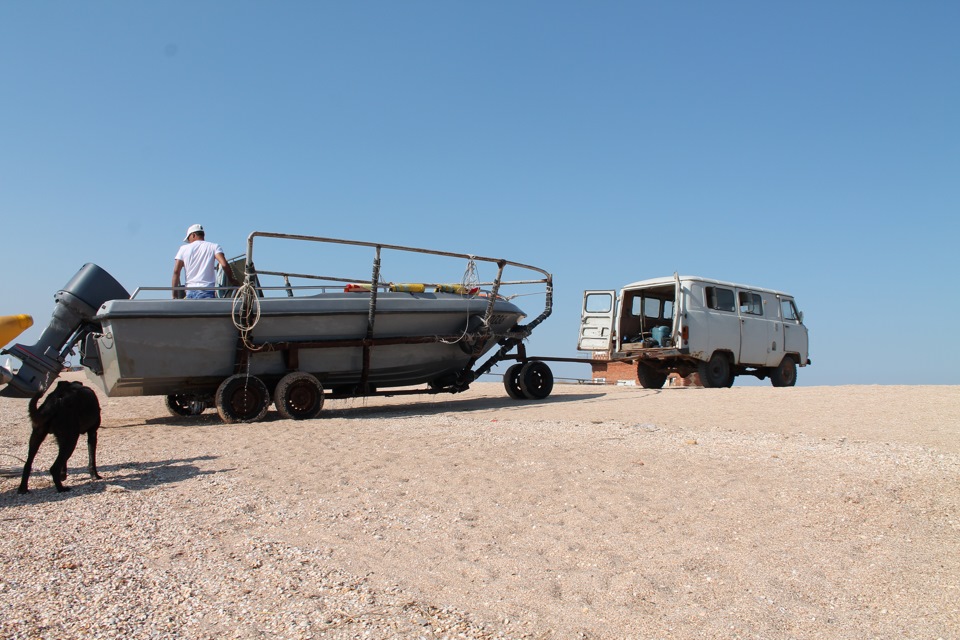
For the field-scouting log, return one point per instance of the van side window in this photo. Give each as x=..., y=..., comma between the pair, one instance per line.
x=751, y=303
x=789, y=310
x=720, y=299
x=668, y=309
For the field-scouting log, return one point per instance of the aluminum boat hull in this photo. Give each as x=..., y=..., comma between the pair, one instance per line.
x=162, y=347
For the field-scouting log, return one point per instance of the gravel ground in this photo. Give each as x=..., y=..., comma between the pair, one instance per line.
x=601, y=512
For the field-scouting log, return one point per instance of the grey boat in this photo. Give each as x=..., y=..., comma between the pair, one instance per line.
x=291, y=344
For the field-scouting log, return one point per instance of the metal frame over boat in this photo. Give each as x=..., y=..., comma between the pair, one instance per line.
x=292, y=345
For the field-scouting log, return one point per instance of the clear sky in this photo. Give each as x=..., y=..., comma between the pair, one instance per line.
x=812, y=147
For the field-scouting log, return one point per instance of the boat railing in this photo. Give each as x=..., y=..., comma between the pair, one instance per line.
x=375, y=285
x=251, y=274
x=246, y=298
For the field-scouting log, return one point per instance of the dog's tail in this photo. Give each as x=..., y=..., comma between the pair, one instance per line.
x=38, y=417
x=32, y=407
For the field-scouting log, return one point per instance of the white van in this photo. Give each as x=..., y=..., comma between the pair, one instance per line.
x=688, y=324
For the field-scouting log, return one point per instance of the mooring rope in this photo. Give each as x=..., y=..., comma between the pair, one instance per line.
x=245, y=312
x=470, y=282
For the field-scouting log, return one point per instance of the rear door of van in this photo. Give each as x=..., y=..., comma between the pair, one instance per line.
x=596, y=321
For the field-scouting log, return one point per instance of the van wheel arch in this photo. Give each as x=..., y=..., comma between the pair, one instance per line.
x=649, y=376
x=717, y=372
x=784, y=374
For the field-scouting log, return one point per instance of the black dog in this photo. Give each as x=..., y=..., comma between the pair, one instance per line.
x=71, y=409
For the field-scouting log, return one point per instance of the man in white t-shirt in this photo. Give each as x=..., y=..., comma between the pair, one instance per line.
x=200, y=258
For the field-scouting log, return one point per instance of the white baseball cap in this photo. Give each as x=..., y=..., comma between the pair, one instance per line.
x=194, y=228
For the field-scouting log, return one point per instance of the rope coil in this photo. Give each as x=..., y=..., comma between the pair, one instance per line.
x=245, y=312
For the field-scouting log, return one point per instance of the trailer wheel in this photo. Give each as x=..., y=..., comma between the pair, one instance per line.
x=536, y=380
x=242, y=398
x=716, y=373
x=298, y=396
x=184, y=405
x=649, y=377
x=511, y=382
x=784, y=375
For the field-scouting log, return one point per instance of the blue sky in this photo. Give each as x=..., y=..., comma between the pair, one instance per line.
x=809, y=147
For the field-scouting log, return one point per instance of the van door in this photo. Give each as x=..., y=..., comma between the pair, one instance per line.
x=754, y=328
x=677, y=310
x=596, y=321
x=721, y=323
x=771, y=315
x=795, y=338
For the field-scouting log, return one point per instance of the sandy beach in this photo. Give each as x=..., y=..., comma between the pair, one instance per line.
x=600, y=512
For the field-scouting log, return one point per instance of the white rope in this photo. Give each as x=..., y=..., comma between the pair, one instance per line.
x=469, y=282
x=246, y=298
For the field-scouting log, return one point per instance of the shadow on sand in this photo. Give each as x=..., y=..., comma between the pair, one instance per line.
x=358, y=407
x=131, y=476
x=374, y=407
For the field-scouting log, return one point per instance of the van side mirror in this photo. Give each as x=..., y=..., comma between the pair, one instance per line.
x=800, y=316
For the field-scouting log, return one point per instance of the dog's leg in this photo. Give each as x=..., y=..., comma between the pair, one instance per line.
x=36, y=439
x=92, y=454
x=67, y=444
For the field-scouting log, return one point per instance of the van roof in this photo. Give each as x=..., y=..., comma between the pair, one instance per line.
x=669, y=280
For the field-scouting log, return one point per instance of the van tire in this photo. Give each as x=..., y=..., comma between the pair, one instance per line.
x=716, y=373
x=649, y=377
x=784, y=375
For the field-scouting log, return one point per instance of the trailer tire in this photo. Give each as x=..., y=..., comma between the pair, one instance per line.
x=716, y=373
x=242, y=398
x=511, y=382
x=184, y=405
x=536, y=380
x=785, y=374
x=298, y=396
x=649, y=377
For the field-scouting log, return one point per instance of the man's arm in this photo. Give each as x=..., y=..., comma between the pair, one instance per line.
x=227, y=270
x=177, y=267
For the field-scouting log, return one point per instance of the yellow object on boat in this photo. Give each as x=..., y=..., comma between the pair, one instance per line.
x=457, y=288
x=408, y=287
x=12, y=326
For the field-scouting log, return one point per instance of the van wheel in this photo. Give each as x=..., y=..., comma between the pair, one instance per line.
x=716, y=373
x=784, y=375
x=649, y=377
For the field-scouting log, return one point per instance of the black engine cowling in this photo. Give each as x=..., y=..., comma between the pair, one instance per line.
x=73, y=318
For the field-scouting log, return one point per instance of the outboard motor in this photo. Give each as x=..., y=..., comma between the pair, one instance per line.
x=73, y=319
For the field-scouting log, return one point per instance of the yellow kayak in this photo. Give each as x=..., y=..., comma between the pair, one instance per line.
x=12, y=326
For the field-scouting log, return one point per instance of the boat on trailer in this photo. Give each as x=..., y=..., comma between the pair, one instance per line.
x=292, y=344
